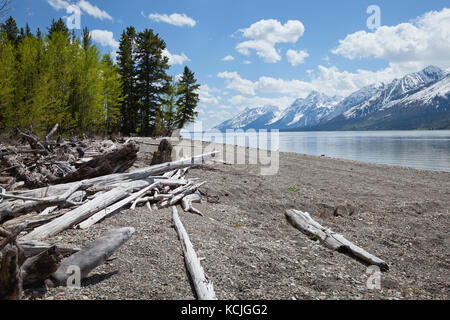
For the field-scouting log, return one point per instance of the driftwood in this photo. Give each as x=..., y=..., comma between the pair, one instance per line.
x=77, y=215
x=164, y=153
x=92, y=256
x=111, y=209
x=38, y=268
x=113, y=162
x=186, y=202
x=203, y=287
x=32, y=248
x=303, y=222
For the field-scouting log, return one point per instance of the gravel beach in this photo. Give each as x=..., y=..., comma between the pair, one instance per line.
x=249, y=250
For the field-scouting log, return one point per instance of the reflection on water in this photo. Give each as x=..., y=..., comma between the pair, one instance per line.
x=429, y=150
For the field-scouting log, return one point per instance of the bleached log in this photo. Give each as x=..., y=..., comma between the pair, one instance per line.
x=93, y=255
x=118, y=178
x=32, y=248
x=79, y=214
x=203, y=287
x=30, y=204
x=32, y=220
x=186, y=202
x=303, y=222
x=111, y=209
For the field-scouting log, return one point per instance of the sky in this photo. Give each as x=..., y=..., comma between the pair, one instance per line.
x=252, y=53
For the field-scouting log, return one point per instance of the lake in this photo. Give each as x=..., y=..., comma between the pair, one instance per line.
x=428, y=150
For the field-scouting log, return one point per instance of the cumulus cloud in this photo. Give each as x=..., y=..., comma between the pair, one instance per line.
x=93, y=11
x=411, y=45
x=265, y=34
x=58, y=4
x=206, y=95
x=175, y=58
x=228, y=58
x=235, y=82
x=105, y=38
x=175, y=19
x=296, y=58
x=83, y=5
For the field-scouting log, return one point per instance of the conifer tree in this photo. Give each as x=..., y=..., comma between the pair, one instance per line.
x=188, y=100
x=152, y=78
x=11, y=30
x=127, y=69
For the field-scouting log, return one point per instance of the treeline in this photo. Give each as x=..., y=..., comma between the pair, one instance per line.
x=59, y=78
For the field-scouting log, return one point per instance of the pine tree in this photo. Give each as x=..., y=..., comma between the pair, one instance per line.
x=152, y=78
x=7, y=72
x=189, y=98
x=168, y=112
x=11, y=30
x=111, y=94
x=127, y=69
x=58, y=26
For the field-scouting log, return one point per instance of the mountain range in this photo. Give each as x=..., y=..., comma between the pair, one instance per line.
x=419, y=100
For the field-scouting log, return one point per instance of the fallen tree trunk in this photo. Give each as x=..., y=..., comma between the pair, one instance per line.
x=203, y=287
x=111, y=209
x=32, y=248
x=303, y=222
x=35, y=270
x=79, y=214
x=92, y=256
x=120, y=178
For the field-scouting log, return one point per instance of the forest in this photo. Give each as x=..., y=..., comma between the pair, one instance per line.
x=55, y=77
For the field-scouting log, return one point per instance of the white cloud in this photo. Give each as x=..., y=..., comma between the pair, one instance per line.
x=58, y=4
x=265, y=34
x=235, y=82
x=105, y=38
x=175, y=19
x=84, y=5
x=93, y=11
x=206, y=95
x=175, y=58
x=247, y=62
x=228, y=58
x=296, y=58
x=411, y=45
x=252, y=102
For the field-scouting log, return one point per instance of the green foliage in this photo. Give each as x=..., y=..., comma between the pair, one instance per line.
x=52, y=79
x=59, y=78
x=188, y=99
x=294, y=189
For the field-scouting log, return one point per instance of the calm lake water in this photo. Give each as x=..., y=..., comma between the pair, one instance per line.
x=428, y=150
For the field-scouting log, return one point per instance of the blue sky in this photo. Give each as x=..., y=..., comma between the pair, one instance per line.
x=277, y=50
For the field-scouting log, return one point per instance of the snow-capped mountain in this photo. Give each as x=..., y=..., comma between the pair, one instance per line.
x=423, y=107
x=256, y=118
x=418, y=100
x=306, y=112
x=394, y=91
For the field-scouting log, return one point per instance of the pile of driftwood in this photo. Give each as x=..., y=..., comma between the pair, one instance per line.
x=96, y=190
x=40, y=163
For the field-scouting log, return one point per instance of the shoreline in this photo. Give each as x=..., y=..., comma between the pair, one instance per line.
x=250, y=252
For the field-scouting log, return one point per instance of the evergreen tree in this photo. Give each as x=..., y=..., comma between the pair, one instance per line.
x=168, y=113
x=7, y=72
x=11, y=30
x=152, y=78
x=188, y=100
x=111, y=94
x=127, y=69
x=58, y=26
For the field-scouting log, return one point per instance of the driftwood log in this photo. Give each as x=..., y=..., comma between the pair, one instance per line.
x=203, y=287
x=303, y=222
x=92, y=256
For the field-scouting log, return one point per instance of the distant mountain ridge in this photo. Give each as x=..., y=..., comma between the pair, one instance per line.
x=419, y=100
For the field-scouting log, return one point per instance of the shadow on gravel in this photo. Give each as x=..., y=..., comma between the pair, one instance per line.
x=97, y=278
